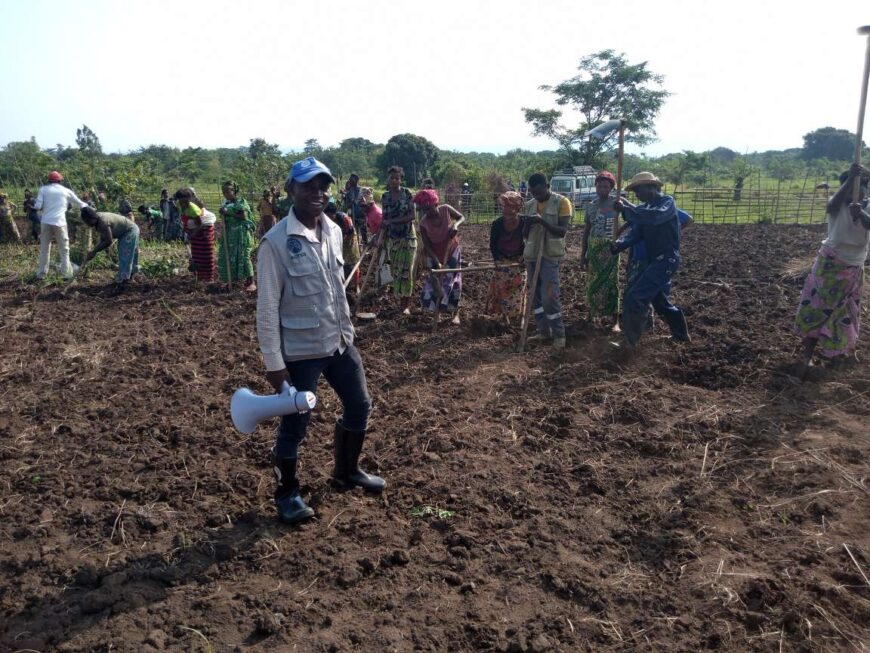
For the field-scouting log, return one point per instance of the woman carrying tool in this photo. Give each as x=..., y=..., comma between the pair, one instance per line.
x=401, y=238
x=830, y=306
x=506, y=246
x=441, y=245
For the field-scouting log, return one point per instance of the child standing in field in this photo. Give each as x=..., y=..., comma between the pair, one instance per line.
x=829, y=312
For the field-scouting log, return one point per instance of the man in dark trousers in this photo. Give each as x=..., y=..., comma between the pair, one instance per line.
x=656, y=225
x=304, y=329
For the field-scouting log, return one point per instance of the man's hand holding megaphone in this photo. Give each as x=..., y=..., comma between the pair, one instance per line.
x=277, y=379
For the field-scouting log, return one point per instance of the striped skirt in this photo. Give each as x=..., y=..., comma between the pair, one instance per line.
x=203, y=253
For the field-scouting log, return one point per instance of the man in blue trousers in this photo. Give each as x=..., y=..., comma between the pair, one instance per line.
x=656, y=225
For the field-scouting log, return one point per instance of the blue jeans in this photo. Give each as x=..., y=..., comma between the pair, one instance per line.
x=547, y=305
x=345, y=373
x=128, y=254
x=652, y=286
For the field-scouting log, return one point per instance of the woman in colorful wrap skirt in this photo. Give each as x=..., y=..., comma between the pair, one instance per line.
x=602, y=281
x=199, y=227
x=239, y=240
x=828, y=315
x=397, y=204
x=441, y=245
x=506, y=245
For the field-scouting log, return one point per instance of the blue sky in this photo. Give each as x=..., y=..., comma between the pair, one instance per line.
x=745, y=75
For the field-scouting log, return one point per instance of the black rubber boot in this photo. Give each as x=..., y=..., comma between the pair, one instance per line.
x=347, y=474
x=679, y=327
x=290, y=506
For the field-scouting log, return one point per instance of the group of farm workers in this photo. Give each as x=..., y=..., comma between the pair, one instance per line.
x=303, y=317
x=304, y=320
x=231, y=262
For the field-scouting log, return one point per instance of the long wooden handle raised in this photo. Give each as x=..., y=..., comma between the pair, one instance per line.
x=862, y=107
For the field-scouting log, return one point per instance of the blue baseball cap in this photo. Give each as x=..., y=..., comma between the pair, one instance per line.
x=307, y=169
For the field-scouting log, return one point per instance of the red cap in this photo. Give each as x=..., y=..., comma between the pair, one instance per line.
x=54, y=175
x=608, y=176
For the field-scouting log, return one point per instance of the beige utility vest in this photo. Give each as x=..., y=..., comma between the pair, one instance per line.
x=315, y=316
x=554, y=248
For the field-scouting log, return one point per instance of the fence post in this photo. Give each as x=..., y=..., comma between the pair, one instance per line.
x=801, y=197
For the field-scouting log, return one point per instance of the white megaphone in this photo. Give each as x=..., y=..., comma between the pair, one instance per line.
x=248, y=409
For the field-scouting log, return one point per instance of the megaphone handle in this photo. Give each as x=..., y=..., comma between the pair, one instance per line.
x=285, y=388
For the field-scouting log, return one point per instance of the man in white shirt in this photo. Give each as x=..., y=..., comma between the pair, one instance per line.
x=304, y=329
x=53, y=201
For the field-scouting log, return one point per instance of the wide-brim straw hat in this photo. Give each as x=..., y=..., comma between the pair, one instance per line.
x=642, y=178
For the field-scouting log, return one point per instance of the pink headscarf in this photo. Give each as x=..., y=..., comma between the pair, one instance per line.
x=512, y=201
x=426, y=198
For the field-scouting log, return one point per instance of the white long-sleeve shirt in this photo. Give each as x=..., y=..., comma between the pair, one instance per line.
x=53, y=200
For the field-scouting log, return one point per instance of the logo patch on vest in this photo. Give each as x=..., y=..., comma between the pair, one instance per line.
x=294, y=245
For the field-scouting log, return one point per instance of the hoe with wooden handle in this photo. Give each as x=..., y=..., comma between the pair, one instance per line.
x=863, y=31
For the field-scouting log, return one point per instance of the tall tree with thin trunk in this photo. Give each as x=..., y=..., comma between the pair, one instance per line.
x=607, y=87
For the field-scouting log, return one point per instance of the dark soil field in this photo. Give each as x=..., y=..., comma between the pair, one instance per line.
x=695, y=498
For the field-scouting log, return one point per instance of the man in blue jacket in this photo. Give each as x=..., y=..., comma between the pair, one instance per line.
x=304, y=329
x=654, y=223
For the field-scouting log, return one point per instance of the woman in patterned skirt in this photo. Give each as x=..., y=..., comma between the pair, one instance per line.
x=199, y=226
x=506, y=245
x=829, y=312
x=441, y=244
x=238, y=244
x=397, y=204
x=602, y=281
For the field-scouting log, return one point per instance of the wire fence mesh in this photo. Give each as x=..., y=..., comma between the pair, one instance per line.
x=787, y=204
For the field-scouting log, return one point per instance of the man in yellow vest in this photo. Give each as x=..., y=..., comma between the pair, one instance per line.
x=546, y=222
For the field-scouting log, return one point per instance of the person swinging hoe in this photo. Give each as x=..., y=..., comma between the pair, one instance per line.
x=656, y=224
x=304, y=329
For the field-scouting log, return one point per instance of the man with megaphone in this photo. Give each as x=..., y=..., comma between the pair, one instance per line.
x=304, y=329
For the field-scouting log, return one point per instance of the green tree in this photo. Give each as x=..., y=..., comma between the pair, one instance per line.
x=260, y=166
x=697, y=167
x=87, y=141
x=607, y=87
x=782, y=168
x=24, y=164
x=740, y=170
x=829, y=143
x=415, y=154
x=353, y=155
x=312, y=147
x=87, y=166
x=449, y=173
